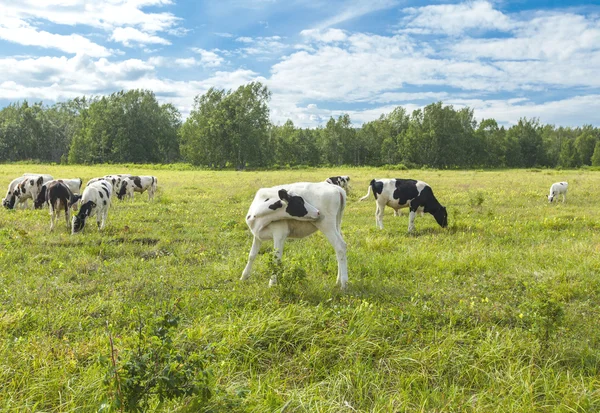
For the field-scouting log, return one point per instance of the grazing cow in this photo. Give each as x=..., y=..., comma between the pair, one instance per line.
x=94, y=201
x=59, y=196
x=129, y=185
x=74, y=186
x=403, y=193
x=341, y=181
x=296, y=211
x=115, y=180
x=9, y=198
x=558, y=188
x=29, y=188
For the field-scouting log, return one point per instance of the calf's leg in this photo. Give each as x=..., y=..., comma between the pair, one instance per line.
x=256, y=243
x=278, y=242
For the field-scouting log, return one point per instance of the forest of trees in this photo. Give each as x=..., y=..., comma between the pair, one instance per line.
x=232, y=129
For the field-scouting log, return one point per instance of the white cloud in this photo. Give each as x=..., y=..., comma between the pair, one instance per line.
x=271, y=45
x=100, y=14
x=547, y=37
x=455, y=18
x=129, y=35
x=208, y=58
x=325, y=36
x=188, y=62
x=18, y=31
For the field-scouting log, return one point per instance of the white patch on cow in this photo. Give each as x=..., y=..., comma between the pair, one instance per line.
x=328, y=200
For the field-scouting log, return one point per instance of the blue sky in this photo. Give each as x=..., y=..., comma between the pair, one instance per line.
x=320, y=58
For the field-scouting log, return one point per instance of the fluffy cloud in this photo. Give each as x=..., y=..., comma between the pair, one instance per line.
x=126, y=20
x=129, y=35
x=325, y=36
x=455, y=18
x=18, y=31
x=209, y=58
x=100, y=14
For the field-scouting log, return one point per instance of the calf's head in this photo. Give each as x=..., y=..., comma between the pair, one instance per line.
x=122, y=191
x=78, y=221
x=441, y=216
x=41, y=198
x=289, y=205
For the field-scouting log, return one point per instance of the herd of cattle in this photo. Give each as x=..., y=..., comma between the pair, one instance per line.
x=286, y=211
x=65, y=194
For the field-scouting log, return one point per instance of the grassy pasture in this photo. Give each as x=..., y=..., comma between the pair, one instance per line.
x=498, y=313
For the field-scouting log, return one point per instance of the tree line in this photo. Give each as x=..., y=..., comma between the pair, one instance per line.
x=232, y=129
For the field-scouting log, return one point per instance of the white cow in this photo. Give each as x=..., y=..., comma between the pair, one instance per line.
x=74, y=186
x=28, y=188
x=296, y=211
x=95, y=200
x=558, y=188
x=132, y=184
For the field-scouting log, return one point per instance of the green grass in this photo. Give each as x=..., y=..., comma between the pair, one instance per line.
x=497, y=313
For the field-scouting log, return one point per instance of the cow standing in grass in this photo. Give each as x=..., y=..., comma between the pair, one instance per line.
x=8, y=199
x=59, y=197
x=558, y=188
x=96, y=201
x=130, y=185
x=296, y=211
x=406, y=193
x=29, y=188
x=74, y=186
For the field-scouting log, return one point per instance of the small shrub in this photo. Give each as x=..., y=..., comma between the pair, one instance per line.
x=154, y=367
x=546, y=316
x=476, y=199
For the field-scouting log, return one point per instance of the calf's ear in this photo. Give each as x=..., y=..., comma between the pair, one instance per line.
x=283, y=195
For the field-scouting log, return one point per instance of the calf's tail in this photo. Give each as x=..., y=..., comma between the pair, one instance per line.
x=369, y=190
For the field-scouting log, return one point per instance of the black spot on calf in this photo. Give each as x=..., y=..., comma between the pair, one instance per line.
x=295, y=205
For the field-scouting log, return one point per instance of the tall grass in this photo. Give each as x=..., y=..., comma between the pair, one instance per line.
x=497, y=313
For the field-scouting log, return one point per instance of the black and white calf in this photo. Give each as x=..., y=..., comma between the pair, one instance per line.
x=406, y=193
x=95, y=200
x=558, y=188
x=8, y=199
x=296, y=211
x=341, y=181
x=59, y=197
x=29, y=188
x=115, y=180
x=130, y=185
x=74, y=186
